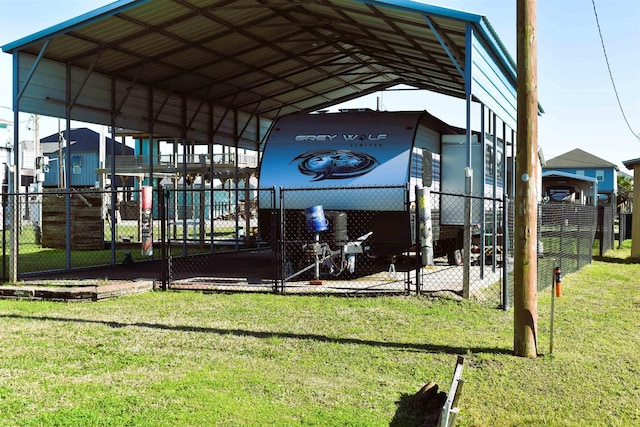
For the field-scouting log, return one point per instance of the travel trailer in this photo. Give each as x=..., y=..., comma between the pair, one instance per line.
x=362, y=169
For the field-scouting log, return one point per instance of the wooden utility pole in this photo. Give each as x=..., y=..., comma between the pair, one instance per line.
x=526, y=178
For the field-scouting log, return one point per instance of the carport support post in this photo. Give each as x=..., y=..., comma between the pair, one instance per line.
x=635, y=214
x=13, y=178
x=526, y=177
x=468, y=172
x=68, y=185
x=466, y=268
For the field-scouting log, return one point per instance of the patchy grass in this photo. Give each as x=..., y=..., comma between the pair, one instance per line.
x=183, y=359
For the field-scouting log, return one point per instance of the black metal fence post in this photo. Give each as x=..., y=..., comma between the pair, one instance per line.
x=163, y=237
x=418, y=239
x=4, y=237
x=505, y=252
x=282, y=246
x=274, y=233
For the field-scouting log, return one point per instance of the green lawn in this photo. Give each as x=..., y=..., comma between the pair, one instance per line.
x=34, y=258
x=192, y=359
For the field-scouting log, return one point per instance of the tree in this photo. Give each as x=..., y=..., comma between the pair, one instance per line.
x=626, y=183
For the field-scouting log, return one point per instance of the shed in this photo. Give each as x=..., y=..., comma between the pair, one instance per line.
x=580, y=162
x=85, y=157
x=564, y=187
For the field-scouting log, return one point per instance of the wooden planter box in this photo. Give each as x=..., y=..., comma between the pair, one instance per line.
x=87, y=225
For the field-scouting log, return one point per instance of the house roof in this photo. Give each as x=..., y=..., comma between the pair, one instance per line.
x=196, y=70
x=578, y=159
x=84, y=140
x=630, y=164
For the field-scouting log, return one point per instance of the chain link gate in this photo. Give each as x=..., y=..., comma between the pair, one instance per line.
x=210, y=241
x=481, y=272
x=358, y=249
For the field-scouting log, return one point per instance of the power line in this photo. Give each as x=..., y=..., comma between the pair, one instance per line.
x=613, y=83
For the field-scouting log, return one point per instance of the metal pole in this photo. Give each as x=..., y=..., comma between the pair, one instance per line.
x=526, y=229
x=183, y=190
x=483, y=173
x=553, y=300
x=494, y=231
x=13, y=178
x=282, y=242
x=67, y=171
x=162, y=193
x=418, y=238
x=4, y=237
x=112, y=167
x=236, y=177
x=468, y=209
x=505, y=221
x=274, y=238
x=505, y=252
x=211, y=176
x=512, y=190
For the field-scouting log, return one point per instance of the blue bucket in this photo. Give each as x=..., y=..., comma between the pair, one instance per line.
x=316, y=222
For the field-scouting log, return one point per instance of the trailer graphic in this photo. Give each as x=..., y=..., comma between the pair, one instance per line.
x=334, y=164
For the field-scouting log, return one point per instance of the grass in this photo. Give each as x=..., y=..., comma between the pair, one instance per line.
x=184, y=359
x=34, y=258
x=44, y=259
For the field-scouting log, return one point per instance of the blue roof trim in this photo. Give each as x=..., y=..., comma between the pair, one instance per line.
x=468, y=63
x=414, y=6
x=71, y=24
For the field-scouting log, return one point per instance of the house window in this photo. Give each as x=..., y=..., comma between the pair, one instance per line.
x=580, y=172
x=76, y=165
x=600, y=175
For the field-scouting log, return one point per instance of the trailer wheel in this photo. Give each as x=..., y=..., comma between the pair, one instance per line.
x=454, y=257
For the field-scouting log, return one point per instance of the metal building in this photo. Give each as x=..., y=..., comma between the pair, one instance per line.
x=211, y=73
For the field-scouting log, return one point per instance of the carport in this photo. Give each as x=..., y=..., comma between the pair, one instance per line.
x=220, y=72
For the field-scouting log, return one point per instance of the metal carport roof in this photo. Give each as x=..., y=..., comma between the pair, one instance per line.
x=221, y=71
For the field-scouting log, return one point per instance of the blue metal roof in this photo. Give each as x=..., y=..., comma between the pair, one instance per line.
x=201, y=60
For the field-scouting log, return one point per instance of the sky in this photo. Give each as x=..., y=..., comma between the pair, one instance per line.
x=582, y=109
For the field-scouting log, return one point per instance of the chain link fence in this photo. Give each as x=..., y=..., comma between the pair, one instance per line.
x=624, y=227
x=293, y=240
x=70, y=233
x=6, y=214
x=350, y=243
x=567, y=234
x=60, y=230
x=354, y=243
x=605, y=234
x=566, y=237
